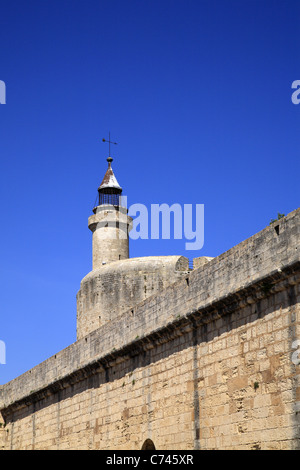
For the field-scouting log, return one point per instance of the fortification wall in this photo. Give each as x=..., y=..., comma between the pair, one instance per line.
x=2, y=437
x=204, y=364
x=214, y=387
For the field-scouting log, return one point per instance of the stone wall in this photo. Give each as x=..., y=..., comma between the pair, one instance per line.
x=214, y=387
x=113, y=289
x=3, y=431
x=199, y=262
x=2, y=437
x=204, y=364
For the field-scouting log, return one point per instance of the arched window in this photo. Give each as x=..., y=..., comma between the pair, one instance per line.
x=148, y=445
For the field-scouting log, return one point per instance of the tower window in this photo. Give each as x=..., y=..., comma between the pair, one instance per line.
x=109, y=196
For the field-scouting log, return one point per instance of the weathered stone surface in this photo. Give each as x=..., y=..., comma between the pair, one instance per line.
x=199, y=262
x=110, y=226
x=113, y=289
x=204, y=364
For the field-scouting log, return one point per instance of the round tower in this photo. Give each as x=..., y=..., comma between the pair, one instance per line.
x=110, y=223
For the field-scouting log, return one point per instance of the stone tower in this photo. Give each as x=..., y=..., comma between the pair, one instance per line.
x=110, y=223
x=117, y=283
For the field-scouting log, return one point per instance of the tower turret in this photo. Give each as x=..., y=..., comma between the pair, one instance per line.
x=109, y=190
x=116, y=284
x=110, y=223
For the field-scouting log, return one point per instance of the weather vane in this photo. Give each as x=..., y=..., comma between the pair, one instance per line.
x=109, y=142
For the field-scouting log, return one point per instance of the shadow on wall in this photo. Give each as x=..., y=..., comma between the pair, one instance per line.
x=148, y=445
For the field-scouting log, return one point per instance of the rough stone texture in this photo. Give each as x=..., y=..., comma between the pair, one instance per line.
x=204, y=364
x=2, y=429
x=198, y=262
x=111, y=290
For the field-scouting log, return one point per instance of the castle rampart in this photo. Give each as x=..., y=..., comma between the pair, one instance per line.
x=205, y=363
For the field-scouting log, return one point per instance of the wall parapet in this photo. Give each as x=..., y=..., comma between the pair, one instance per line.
x=258, y=267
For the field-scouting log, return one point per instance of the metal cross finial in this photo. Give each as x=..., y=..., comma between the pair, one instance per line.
x=109, y=142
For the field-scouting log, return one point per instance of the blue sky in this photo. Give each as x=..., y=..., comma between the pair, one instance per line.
x=197, y=93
